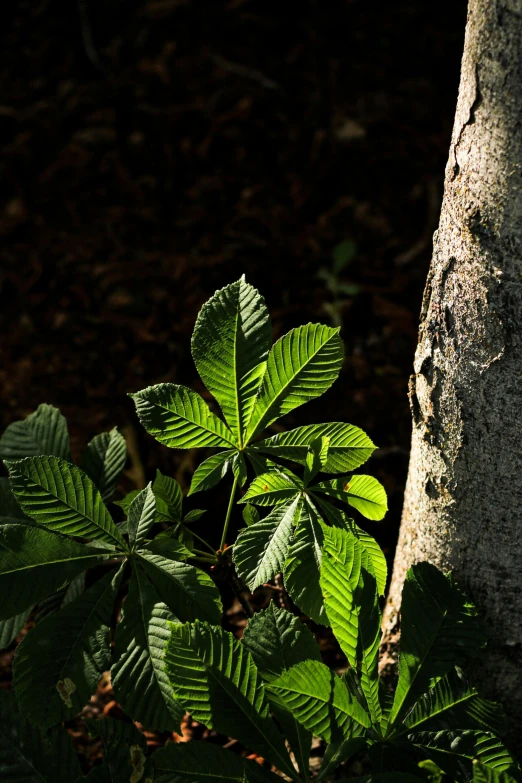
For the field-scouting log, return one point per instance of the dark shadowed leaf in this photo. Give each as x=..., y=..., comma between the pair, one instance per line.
x=72, y=649
x=35, y=563
x=42, y=432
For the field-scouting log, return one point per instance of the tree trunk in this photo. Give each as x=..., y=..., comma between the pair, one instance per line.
x=463, y=501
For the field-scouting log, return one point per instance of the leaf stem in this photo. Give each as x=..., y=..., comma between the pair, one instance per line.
x=202, y=553
x=206, y=559
x=203, y=542
x=229, y=513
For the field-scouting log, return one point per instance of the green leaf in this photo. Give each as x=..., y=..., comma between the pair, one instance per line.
x=319, y=700
x=368, y=643
x=61, y=598
x=277, y=640
x=301, y=366
x=349, y=446
x=260, y=550
x=230, y=346
x=169, y=498
x=178, y=417
x=194, y=515
x=42, y=432
x=35, y=563
x=449, y=634
x=167, y=545
x=10, y=628
x=142, y=514
x=204, y=762
x=452, y=702
x=30, y=756
x=364, y=493
x=338, y=753
x=63, y=498
x=316, y=458
x=483, y=774
x=125, y=504
x=211, y=471
x=250, y=515
x=138, y=677
x=216, y=680
x=72, y=649
x=188, y=592
x=373, y=559
x=10, y=510
x=272, y=488
x=239, y=468
x=104, y=460
x=303, y=564
x=340, y=571
x=454, y=751
x=125, y=748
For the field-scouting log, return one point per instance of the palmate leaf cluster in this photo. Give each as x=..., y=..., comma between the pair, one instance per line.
x=255, y=384
x=59, y=528
x=66, y=564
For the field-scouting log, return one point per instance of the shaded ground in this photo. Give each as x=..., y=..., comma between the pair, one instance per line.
x=154, y=151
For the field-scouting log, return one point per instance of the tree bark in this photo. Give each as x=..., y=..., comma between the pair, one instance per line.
x=463, y=500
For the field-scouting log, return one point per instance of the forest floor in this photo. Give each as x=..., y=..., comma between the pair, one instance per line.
x=155, y=151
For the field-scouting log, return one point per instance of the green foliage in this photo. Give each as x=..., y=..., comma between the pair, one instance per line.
x=67, y=563
x=42, y=432
x=60, y=529
x=215, y=679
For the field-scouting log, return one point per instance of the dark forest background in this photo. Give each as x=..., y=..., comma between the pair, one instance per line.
x=154, y=151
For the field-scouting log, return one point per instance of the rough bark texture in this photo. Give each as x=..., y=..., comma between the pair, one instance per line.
x=463, y=502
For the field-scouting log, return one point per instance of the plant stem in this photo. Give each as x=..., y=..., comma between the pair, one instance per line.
x=203, y=542
x=205, y=559
x=229, y=513
x=202, y=553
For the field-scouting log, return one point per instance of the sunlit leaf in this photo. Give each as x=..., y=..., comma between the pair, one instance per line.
x=63, y=498
x=104, y=460
x=318, y=698
x=272, y=488
x=230, y=346
x=42, y=432
x=215, y=679
x=211, y=471
x=364, y=493
x=349, y=446
x=138, y=677
x=142, y=513
x=303, y=564
x=169, y=498
x=340, y=571
x=301, y=366
x=260, y=549
x=178, y=417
